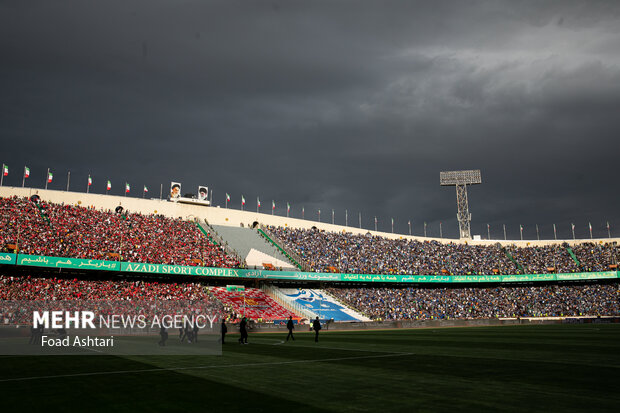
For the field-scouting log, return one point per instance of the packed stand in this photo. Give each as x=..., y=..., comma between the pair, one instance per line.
x=471, y=303
x=125, y=297
x=77, y=232
x=368, y=254
x=251, y=303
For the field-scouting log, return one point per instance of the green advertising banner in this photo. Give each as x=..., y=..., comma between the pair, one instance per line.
x=75, y=263
x=7, y=258
x=131, y=267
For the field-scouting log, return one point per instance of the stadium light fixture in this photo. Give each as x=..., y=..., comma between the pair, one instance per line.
x=460, y=179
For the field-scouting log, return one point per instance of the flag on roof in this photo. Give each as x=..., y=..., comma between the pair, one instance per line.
x=5, y=170
x=90, y=180
x=50, y=176
x=145, y=189
x=109, y=186
x=26, y=172
x=227, y=197
x=127, y=187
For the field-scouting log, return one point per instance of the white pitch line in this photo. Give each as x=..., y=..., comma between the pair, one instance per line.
x=104, y=373
x=331, y=348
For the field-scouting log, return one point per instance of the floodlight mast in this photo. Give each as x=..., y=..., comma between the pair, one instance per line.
x=461, y=179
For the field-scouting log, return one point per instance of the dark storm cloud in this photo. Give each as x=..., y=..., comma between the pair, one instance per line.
x=343, y=105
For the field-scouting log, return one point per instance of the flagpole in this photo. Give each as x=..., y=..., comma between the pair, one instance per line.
x=608, y=232
x=488, y=231
x=346, y=218
x=425, y=228
x=573, y=229
x=504, y=231
x=24, y=178
x=375, y=223
x=409, y=222
x=68, y=179
x=2, y=175
x=555, y=234
x=226, y=201
x=47, y=177
x=161, y=191
x=88, y=184
x=537, y=234
x=333, y=217
x=440, y=230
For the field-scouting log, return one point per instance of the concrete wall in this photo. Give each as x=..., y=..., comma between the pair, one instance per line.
x=231, y=217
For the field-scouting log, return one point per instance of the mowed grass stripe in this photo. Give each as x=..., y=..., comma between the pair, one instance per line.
x=528, y=369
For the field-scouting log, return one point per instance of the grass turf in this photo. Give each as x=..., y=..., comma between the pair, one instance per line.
x=512, y=368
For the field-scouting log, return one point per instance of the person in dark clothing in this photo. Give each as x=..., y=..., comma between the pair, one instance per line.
x=33, y=335
x=196, y=329
x=62, y=333
x=316, y=326
x=164, y=336
x=188, y=333
x=244, y=332
x=290, y=327
x=224, y=330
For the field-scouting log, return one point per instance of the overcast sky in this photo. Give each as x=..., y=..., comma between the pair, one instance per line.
x=325, y=104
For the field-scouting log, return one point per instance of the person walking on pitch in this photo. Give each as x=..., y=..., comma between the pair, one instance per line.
x=316, y=326
x=290, y=327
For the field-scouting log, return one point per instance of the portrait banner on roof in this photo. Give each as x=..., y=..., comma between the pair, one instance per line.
x=203, y=193
x=175, y=190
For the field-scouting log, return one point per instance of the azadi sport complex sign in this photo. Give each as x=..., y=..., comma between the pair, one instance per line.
x=132, y=267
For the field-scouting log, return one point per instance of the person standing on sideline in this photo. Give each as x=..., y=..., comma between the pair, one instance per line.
x=224, y=330
x=316, y=326
x=164, y=336
x=244, y=332
x=290, y=327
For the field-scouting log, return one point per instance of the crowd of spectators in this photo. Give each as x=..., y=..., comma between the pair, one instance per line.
x=54, y=289
x=470, y=303
x=20, y=295
x=367, y=254
x=78, y=232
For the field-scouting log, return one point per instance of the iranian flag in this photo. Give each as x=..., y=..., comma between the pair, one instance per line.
x=242, y=200
x=50, y=176
x=227, y=197
x=5, y=170
x=90, y=180
x=273, y=204
x=257, y=202
x=288, y=207
x=26, y=172
x=109, y=186
x=127, y=187
x=145, y=189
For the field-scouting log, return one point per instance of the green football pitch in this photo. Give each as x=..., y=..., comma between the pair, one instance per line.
x=512, y=368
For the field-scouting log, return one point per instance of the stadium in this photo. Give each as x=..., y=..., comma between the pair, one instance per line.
x=250, y=206
x=451, y=316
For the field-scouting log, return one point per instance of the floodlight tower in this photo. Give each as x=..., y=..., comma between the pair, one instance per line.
x=461, y=179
